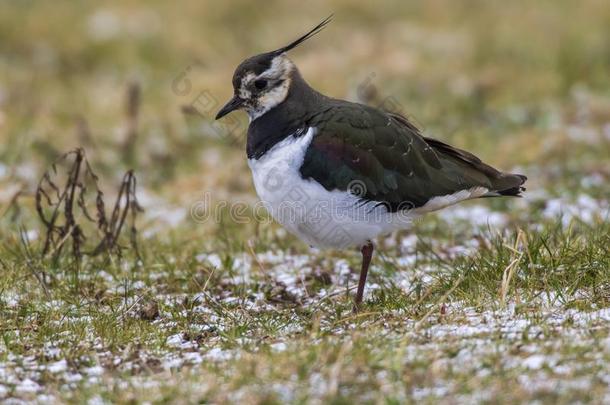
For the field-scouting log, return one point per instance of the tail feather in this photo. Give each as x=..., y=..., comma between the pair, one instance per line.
x=515, y=190
x=502, y=184
x=510, y=185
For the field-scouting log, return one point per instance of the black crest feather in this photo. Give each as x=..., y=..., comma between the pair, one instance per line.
x=305, y=37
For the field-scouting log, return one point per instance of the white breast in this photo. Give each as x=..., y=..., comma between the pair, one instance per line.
x=321, y=218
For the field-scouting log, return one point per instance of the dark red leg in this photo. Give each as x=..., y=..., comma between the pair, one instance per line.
x=367, y=254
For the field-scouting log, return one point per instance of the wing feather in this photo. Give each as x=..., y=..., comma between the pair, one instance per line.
x=388, y=154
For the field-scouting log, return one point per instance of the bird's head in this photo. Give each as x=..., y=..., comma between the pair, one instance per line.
x=262, y=82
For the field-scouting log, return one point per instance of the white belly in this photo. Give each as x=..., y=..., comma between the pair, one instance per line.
x=321, y=218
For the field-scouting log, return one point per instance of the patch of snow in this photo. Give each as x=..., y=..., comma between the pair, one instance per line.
x=173, y=361
x=478, y=215
x=96, y=400
x=28, y=386
x=593, y=180
x=408, y=243
x=107, y=277
x=585, y=208
x=406, y=261
x=174, y=340
x=10, y=298
x=58, y=366
x=218, y=354
x=46, y=399
x=420, y=393
x=212, y=258
x=193, y=357
x=279, y=346
x=94, y=371
x=73, y=377
x=534, y=362
x=31, y=235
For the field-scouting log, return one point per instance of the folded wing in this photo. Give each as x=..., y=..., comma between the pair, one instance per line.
x=391, y=162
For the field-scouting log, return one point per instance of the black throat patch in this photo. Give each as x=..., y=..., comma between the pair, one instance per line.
x=268, y=130
x=288, y=118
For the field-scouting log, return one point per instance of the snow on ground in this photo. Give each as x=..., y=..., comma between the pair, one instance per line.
x=473, y=334
x=585, y=209
x=474, y=337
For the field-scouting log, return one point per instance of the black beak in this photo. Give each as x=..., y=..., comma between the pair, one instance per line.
x=233, y=104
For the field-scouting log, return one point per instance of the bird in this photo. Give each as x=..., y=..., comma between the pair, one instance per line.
x=339, y=174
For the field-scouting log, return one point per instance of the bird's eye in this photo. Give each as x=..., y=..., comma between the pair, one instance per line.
x=260, y=84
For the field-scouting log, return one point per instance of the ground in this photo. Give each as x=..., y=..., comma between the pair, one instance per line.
x=495, y=300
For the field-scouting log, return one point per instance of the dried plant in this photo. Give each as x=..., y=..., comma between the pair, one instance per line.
x=67, y=210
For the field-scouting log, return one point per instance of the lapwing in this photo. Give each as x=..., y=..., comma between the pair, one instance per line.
x=338, y=174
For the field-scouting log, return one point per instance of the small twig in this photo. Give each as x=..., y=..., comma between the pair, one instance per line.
x=253, y=254
x=124, y=314
x=205, y=285
x=510, y=270
x=58, y=246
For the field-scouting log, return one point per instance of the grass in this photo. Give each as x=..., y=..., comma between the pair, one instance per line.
x=221, y=343
x=498, y=301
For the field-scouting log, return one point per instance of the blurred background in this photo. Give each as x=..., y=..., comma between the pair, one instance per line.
x=495, y=300
x=137, y=83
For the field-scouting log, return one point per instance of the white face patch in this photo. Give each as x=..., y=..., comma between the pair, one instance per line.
x=270, y=99
x=278, y=77
x=245, y=85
